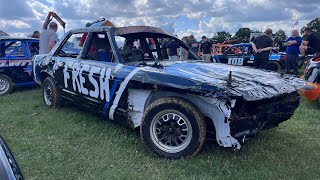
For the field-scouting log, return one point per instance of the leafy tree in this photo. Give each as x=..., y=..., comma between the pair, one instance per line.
x=221, y=36
x=279, y=36
x=243, y=35
x=314, y=25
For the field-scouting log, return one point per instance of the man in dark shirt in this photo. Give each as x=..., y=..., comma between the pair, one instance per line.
x=193, y=44
x=311, y=45
x=262, y=46
x=164, y=46
x=173, y=50
x=205, y=48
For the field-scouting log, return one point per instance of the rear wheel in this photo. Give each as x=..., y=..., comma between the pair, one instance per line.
x=274, y=66
x=51, y=94
x=6, y=85
x=173, y=128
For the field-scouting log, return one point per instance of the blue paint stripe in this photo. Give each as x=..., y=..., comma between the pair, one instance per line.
x=113, y=89
x=25, y=83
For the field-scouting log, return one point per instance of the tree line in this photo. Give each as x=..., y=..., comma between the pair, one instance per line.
x=243, y=34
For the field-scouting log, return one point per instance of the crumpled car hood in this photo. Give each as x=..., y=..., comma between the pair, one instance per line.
x=249, y=83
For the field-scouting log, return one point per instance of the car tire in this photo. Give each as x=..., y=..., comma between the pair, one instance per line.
x=6, y=85
x=274, y=66
x=51, y=93
x=173, y=128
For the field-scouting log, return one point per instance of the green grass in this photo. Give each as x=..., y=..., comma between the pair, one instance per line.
x=70, y=143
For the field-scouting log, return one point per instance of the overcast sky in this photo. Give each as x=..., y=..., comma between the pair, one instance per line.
x=181, y=17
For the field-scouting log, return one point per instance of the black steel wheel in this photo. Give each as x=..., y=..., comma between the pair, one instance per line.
x=6, y=85
x=274, y=66
x=51, y=94
x=173, y=128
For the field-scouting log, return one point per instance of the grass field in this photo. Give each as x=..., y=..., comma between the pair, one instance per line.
x=69, y=143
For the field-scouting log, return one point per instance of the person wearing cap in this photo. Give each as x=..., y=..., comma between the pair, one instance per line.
x=262, y=46
x=311, y=45
x=206, y=48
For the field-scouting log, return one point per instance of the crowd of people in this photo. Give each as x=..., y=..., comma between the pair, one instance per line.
x=171, y=49
x=294, y=46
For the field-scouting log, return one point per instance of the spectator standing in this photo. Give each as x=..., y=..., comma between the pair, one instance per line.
x=262, y=46
x=292, y=52
x=173, y=50
x=183, y=52
x=193, y=44
x=164, y=46
x=311, y=45
x=206, y=48
x=48, y=37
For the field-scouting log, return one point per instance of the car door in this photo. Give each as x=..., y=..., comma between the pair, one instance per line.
x=100, y=76
x=65, y=65
x=15, y=61
x=231, y=57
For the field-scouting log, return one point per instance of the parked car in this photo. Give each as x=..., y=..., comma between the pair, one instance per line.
x=242, y=55
x=312, y=76
x=173, y=103
x=15, y=62
x=9, y=169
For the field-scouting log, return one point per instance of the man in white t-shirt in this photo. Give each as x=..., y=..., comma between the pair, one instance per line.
x=48, y=37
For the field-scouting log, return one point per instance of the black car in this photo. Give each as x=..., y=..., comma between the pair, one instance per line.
x=9, y=169
x=119, y=74
x=242, y=55
x=15, y=62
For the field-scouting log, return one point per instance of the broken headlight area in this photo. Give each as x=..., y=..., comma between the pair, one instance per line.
x=250, y=117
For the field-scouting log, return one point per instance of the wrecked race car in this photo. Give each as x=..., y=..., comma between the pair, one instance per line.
x=242, y=55
x=15, y=62
x=121, y=74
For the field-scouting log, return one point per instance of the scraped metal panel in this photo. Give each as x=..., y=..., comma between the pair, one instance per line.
x=136, y=102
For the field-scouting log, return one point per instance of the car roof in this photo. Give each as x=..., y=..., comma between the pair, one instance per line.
x=17, y=38
x=139, y=29
x=122, y=31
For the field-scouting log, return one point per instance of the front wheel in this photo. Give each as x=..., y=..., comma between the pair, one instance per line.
x=274, y=66
x=173, y=128
x=6, y=85
x=51, y=94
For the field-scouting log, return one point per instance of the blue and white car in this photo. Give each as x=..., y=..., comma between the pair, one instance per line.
x=242, y=55
x=119, y=75
x=16, y=62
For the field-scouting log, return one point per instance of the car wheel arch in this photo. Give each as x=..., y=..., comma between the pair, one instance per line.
x=44, y=75
x=214, y=109
x=154, y=96
x=137, y=108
